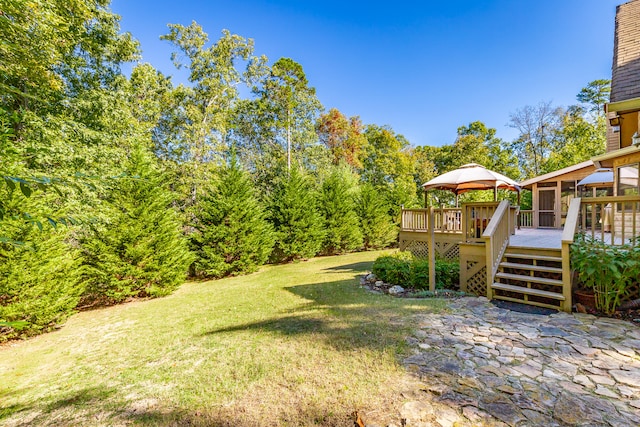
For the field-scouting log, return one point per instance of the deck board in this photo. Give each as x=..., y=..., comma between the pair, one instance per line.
x=537, y=238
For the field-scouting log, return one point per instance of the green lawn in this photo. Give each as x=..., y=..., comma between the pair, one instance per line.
x=296, y=344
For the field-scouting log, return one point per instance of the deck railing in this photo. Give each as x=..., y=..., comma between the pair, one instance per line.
x=477, y=217
x=496, y=238
x=415, y=220
x=614, y=220
x=525, y=219
x=446, y=220
x=471, y=220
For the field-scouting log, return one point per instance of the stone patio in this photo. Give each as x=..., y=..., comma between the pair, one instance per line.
x=484, y=365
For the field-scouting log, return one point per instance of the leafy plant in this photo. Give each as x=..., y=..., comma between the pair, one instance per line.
x=607, y=270
x=404, y=269
x=394, y=269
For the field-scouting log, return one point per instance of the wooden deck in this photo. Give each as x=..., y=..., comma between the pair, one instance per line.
x=541, y=238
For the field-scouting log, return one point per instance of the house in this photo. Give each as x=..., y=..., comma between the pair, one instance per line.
x=524, y=256
x=551, y=195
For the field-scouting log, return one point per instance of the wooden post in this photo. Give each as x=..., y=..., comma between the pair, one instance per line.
x=570, y=226
x=566, y=276
x=432, y=252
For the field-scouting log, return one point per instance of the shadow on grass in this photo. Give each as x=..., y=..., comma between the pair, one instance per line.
x=344, y=315
x=64, y=410
x=234, y=417
x=356, y=267
x=101, y=406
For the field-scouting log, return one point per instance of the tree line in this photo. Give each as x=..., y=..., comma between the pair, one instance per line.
x=116, y=186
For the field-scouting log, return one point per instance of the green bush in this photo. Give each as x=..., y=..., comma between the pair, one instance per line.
x=138, y=248
x=447, y=274
x=39, y=282
x=337, y=206
x=378, y=229
x=394, y=269
x=403, y=269
x=295, y=217
x=232, y=235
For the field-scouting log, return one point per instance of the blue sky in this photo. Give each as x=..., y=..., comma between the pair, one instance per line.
x=422, y=67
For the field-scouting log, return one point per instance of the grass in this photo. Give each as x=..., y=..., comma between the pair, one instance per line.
x=298, y=344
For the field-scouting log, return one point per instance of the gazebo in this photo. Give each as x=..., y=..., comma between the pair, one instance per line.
x=472, y=176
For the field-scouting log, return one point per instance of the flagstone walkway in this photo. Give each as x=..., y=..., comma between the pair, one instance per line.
x=483, y=365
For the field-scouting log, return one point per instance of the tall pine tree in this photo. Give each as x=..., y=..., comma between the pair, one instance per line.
x=337, y=204
x=298, y=224
x=233, y=235
x=378, y=229
x=138, y=249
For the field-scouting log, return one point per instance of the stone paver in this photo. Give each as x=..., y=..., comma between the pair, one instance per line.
x=482, y=365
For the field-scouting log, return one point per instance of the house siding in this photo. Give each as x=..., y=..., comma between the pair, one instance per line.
x=625, y=81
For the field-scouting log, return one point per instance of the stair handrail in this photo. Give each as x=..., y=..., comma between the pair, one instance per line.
x=568, y=237
x=496, y=238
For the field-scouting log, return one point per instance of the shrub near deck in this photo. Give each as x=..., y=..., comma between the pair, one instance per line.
x=405, y=270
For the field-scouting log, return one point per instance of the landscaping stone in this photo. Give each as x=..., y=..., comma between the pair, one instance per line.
x=396, y=290
x=555, y=370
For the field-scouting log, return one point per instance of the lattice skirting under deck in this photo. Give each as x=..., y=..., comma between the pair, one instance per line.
x=420, y=249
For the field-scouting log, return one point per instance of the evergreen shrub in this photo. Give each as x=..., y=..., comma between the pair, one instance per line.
x=338, y=206
x=137, y=249
x=378, y=228
x=39, y=281
x=403, y=269
x=233, y=236
x=295, y=216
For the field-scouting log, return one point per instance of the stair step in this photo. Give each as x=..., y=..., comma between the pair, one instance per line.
x=534, y=257
x=531, y=279
x=527, y=291
x=531, y=267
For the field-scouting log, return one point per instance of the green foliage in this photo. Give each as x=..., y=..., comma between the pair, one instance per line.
x=137, y=249
x=39, y=280
x=233, y=235
x=295, y=216
x=595, y=95
x=408, y=271
x=337, y=205
x=378, y=229
x=610, y=271
x=394, y=269
x=343, y=137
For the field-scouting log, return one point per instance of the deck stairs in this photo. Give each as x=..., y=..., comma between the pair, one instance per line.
x=531, y=276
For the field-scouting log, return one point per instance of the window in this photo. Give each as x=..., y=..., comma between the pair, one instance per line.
x=628, y=180
x=627, y=184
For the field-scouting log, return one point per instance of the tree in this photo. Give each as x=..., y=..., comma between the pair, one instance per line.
x=138, y=248
x=206, y=109
x=343, y=137
x=387, y=166
x=295, y=216
x=577, y=140
x=337, y=205
x=378, y=229
x=289, y=106
x=233, y=236
x=538, y=127
x=595, y=95
x=40, y=283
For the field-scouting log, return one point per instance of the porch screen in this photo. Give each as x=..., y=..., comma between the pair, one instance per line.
x=628, y=180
